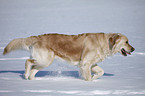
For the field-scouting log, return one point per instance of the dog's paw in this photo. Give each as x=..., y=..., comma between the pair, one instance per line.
x=88, y=79
x=26, y=76
x=31, y=78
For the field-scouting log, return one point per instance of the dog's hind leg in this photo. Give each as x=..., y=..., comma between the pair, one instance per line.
x=28, y=65
x=98, y=71
x=42, y=60
x=34, y=70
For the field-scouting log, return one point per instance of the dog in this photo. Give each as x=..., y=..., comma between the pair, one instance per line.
x=84, y=50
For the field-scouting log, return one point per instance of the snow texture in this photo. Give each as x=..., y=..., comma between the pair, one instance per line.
x=124, y=76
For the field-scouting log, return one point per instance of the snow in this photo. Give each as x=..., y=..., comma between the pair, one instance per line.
x=124, y=76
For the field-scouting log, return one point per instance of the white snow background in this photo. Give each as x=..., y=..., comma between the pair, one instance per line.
x=124, y=76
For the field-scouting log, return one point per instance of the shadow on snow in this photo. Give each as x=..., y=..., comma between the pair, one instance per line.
x=74, y=74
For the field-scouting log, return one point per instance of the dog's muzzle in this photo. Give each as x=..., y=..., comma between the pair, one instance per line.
x=124, y=52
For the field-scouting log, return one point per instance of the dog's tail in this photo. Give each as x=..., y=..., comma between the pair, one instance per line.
x=20, y=44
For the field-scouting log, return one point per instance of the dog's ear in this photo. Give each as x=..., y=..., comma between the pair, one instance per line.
x=112, y=40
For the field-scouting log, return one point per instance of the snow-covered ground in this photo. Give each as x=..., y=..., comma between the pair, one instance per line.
x=123, y=75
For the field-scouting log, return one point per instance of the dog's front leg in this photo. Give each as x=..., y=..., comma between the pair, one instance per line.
x=86, y=61
x=98, y=71
x=86, y=72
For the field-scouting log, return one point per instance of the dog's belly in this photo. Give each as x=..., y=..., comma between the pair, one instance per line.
x=69, y=62
x=69, y=57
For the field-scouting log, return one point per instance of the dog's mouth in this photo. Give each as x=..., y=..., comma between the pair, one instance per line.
x=124, y=52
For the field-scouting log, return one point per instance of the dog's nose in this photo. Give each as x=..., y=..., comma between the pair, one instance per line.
x=132, y=49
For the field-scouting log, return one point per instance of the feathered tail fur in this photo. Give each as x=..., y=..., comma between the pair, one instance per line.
x=14, y=45
x=20, y=44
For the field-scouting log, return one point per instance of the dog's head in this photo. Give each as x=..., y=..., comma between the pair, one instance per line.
x=119, y=43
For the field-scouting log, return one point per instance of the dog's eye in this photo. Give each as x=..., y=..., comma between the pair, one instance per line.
x=126, y=42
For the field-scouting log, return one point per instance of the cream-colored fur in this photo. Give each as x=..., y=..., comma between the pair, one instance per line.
x=86, y=49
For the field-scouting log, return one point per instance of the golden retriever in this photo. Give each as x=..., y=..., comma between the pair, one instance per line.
x=84, y=50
